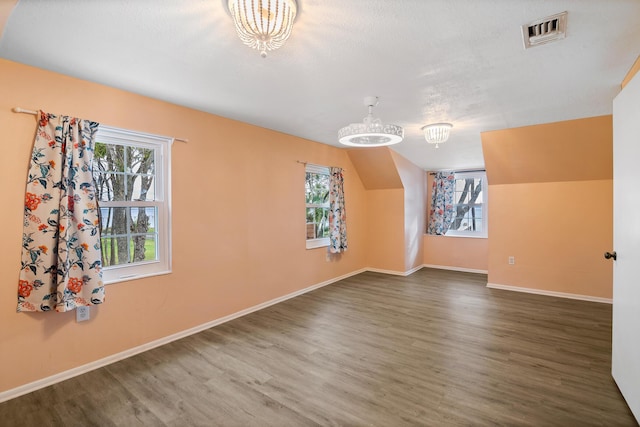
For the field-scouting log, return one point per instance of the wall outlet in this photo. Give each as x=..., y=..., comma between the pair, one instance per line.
x=82, y=313
x=512, y=260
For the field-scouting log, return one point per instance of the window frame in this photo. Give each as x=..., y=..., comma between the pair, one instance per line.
x=318, y=170
x=467, y=233
x=162, y=202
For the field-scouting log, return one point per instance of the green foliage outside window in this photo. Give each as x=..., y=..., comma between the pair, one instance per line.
x=317, y=202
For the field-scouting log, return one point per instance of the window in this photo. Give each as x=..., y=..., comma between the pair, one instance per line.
x=132, y=175
x=317, y=206
x=470, y=214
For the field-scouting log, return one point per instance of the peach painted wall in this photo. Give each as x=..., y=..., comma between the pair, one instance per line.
x=557, y=232
x=557, y=222
x=467, y=253
x=464, y=253
x=415, y=209
x=238, y=224
x=385, y=230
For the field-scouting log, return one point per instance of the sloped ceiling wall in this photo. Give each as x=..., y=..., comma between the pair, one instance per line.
x=376, y=168
x=574, y=150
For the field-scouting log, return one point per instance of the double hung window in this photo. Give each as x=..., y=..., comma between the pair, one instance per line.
x=317, y=206
x=132, y=175
x=470, y=215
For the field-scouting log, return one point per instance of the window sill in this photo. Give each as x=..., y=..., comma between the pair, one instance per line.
x=466, y=236
x=317, y=243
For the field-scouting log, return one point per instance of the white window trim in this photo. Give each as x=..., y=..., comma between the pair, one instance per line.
x=162, y=147
x=485, y=197
x=323, y=242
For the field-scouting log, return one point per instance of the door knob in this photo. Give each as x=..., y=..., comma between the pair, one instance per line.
x=609, y=255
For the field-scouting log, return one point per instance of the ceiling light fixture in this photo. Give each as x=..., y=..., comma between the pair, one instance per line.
x=371, y=132
x=263, y=24
x=437, y=133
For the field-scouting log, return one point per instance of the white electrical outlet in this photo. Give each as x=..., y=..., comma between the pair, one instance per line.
x=82, y=313
x=512, y=260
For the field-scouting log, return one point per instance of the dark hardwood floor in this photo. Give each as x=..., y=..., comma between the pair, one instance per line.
x=436, y=348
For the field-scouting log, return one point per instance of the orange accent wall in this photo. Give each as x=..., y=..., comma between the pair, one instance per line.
x=376, y=168
x=557, y=232
x=551, y=206
x=573, y=150
x=385, y=229
x=456, y=252
x=465, y=253
x=238, y=224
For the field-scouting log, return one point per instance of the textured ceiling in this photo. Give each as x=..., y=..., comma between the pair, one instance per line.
x=460, y=61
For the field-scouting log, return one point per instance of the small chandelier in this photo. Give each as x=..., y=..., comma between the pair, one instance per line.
x=263, y=24
x=371, y=132
x=437, y=133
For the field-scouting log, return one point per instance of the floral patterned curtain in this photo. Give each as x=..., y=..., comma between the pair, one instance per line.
x=61, y=257
x=442, y=200
x=337, y=213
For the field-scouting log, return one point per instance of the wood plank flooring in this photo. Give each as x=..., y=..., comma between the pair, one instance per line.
x=436, y=348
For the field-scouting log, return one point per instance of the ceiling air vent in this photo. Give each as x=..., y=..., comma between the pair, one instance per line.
x=544, y=30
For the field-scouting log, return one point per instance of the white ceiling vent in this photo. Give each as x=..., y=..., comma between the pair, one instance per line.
x=544, y=30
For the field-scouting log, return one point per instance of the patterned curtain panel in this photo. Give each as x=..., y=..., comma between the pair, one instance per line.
x=61, y=257
x=442, y=209
x=337, y=213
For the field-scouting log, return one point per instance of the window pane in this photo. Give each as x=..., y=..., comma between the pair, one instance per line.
x=467, y=219
x=114, y=251
x=113, y=221
x=317, y=223
x=108, y=171
x=113, y=230
x=323, y=223
x=468, y=190
x=143, y=248
x=143, y=220
x=128, y=235
x=124, y=172
x=140, y=160
x=140, y=168
x=317, y=188
x=110, y=186
x=311, y=215
x=142, y=187
x=109, y=157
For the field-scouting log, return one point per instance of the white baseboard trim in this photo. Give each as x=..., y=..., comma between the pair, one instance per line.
x=464, y=270
x=383, y=271
x=394, y=272
x=62, y=376
x=550, y=293
x=413, y=270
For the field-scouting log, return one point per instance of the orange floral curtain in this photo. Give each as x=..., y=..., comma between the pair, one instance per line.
x=61, y=258
x=337, y=212
x=442, y=203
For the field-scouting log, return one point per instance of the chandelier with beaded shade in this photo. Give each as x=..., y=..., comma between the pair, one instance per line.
x=263, y=25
